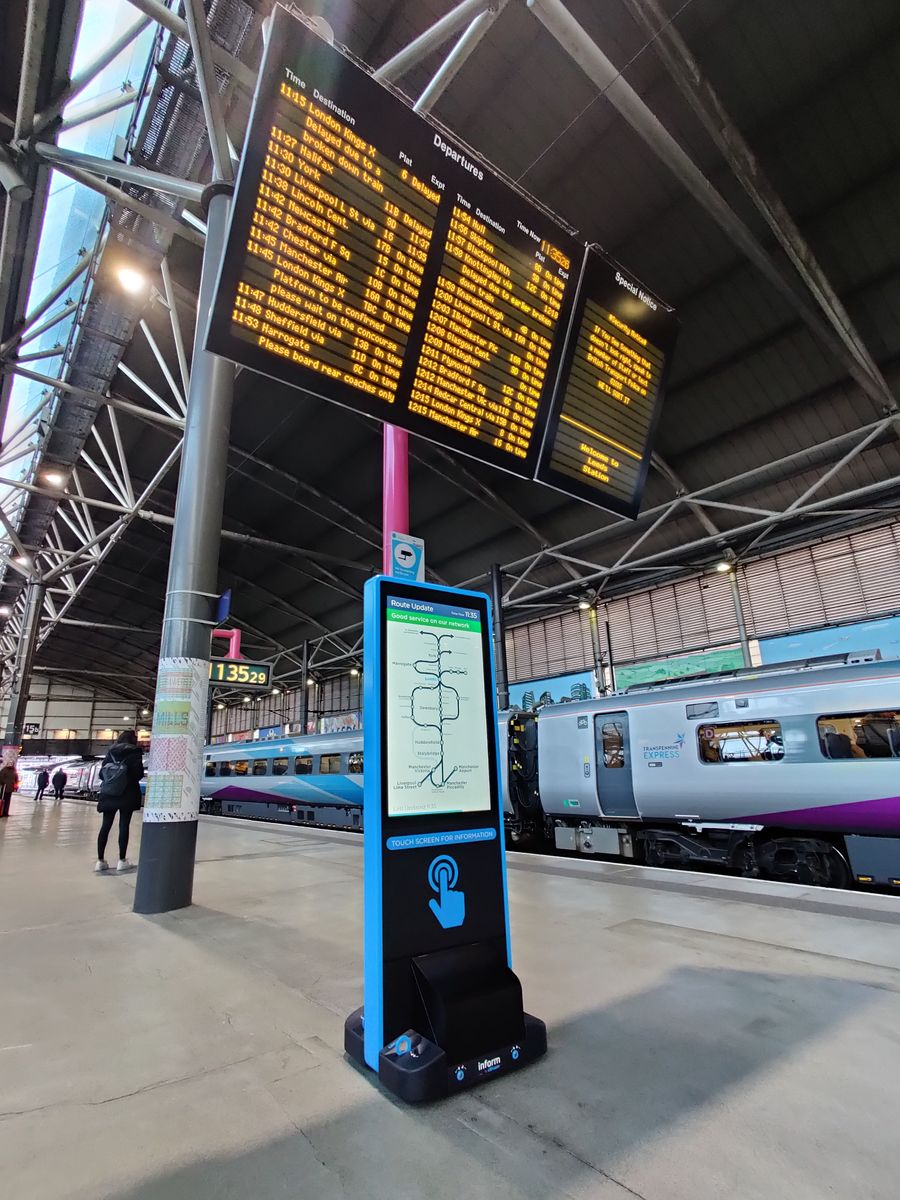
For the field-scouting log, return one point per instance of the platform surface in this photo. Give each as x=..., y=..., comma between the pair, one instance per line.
x=708, y=1038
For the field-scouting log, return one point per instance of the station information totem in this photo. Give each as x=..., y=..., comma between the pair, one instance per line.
x=374, y=261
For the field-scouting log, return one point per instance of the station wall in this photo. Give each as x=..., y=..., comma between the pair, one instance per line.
x=64, y=712
x=834, y=583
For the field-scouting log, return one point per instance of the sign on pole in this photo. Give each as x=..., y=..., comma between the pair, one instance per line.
x=407, y=557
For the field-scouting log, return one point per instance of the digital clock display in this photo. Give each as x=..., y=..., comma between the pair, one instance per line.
x=238, y=672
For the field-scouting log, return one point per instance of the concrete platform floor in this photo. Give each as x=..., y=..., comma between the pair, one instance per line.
x=708, y=1038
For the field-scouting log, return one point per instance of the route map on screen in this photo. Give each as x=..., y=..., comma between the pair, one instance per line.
x=437, y=758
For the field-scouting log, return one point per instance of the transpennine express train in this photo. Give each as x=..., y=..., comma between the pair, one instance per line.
x=790, y=773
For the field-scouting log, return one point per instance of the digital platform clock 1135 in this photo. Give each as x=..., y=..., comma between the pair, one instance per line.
x=238, y=672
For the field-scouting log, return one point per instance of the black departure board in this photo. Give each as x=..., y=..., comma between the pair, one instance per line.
x=608, y=397
x=377, y=263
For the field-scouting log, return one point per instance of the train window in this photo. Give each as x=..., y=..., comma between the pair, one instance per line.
x=860, y=735
x=259, y=766
x=225, y=767
x=241, y=766
x=709, y=708
x=279, y=766
x=741, y=741
x=330, y=764
x=613, y=735
x=210, y=768
x=356, y=763
x=303, y=765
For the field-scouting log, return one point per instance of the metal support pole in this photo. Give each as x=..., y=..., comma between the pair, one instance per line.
x=184, y=189
x=168, y=843
x=195, y=15
x=739, y=617
x=456, y=59
x=21, y=676
x=99, y=108
x=405, y=59
x=90, y=72
x=11, y=178
x=395, y=495
x=48, y=301
x=500, y=667
x=597, y=653
x=304, y=693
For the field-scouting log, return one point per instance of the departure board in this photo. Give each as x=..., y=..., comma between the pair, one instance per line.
x=375, y=262
x=609, y=394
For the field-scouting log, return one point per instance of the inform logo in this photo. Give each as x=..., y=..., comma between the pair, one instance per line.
x=489, y=1064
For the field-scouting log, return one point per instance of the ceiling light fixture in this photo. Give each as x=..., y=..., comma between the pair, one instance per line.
x=131, y=280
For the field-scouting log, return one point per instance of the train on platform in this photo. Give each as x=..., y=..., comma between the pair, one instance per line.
x=789, y=773
x=82, y=775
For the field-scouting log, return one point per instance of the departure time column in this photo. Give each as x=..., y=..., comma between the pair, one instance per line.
x=337, y=249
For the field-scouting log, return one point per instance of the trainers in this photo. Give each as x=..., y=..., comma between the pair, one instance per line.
x=101, y=866
x=124, y=865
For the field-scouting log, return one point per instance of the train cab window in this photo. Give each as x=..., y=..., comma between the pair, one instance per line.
x=260, y=766
x=860, y=735
x=225, y=767
x=330, y=764
x=613, y=735
x=241, y=766
x=741, y=741
x=303, y=764
x=210, y=768
x=279, y=766
x=707, y=709
x=355, y=763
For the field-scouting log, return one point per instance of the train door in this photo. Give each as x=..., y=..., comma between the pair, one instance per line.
x=615, y=788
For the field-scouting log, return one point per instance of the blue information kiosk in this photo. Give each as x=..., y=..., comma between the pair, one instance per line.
x=442, y=1007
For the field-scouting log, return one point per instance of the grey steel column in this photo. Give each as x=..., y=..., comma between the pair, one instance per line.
x=597, y=652
x=18, y=697
x=500, y=667
x=166, y=869
x=739, y=616
x=304, y=693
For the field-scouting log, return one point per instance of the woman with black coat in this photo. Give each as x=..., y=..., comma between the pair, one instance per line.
x=120, y=792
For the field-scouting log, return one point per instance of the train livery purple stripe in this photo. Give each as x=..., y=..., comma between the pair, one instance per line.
x=881, y=815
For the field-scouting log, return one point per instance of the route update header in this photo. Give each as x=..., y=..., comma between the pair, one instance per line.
x=373, y=261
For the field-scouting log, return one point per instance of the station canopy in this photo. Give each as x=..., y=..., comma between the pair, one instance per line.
x=742, y=161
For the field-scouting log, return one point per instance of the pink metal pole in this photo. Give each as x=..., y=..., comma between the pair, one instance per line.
x=234, y=640
x=395, y=490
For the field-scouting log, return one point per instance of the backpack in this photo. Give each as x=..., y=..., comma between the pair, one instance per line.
x=113, y=778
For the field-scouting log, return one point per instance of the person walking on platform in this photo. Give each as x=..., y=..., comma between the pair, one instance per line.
x=42, y=780
x=120, y=792
x=9, y=782
x=60, y=779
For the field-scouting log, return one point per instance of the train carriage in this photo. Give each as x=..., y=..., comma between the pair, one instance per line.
x=790, y=772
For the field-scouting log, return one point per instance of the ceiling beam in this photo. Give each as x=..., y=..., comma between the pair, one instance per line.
x=704, y=101
x=583, y=50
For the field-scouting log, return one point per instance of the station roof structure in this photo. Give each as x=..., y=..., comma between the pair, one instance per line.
x=741, y=159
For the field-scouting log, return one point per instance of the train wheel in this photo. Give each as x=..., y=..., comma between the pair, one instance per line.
x=803, y=860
